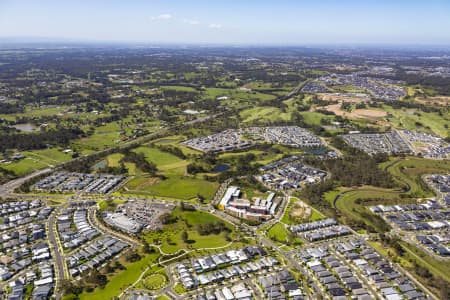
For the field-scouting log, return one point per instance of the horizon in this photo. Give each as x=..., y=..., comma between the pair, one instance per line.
x=286, y=23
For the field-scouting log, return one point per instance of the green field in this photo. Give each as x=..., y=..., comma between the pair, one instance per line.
x=164, y=161
x=314, y=118
x=409, y=118
x=236, y=94
x=104, y=136
x=315, y=215
x=261, y=114
x=178, y=88
x=178, y=187
x=117, y=282
x=407, y=172
x=37, y=159
x=278, y=232
x=156, y=280
x=114, y=159
x=170, y=239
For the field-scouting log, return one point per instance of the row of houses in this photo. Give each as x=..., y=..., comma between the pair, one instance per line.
x=232, y=140
x=75, y=182
x=373, y=143
x=191, y=276
x=236, y=292
x=9, y=208
x=325, y=233
x=18, y=238
x=280, y=285
x=74, y=228
x=24, y=217
x=42, y=286
x=94, y=254
x=436, y=242
x=380, y=273
x=292, y=176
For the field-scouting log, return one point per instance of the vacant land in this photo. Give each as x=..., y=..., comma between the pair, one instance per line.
x=413, y=120
x=264, y=114
x=177, y=187
x=355, y=113
x=37, y=159
x=164, y=161
x=434, y=101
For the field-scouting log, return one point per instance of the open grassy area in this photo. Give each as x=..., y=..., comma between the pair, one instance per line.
x=110, y=205
x=175, y=141
x=120, y=280
x=164, y=161
x=314, y=118
x=178, y=88
x=37, y=159
x=411, y=118
x=171, y=241
x=352, y=202
x=114, y=159
x=260, y=114
x=278, y=232
x=178, y=187
x=156, y=279
x=315, y=215
x=103, y=137
x=236, y=94
x=285, y=218
x=408, y=172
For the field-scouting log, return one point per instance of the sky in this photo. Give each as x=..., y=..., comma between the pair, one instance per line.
x=249, y=22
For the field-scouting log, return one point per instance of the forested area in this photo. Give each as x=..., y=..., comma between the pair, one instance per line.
x=39, y=140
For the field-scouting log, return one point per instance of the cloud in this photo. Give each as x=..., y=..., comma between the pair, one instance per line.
x=191, y=22
x=162, y=17
x=215, y=26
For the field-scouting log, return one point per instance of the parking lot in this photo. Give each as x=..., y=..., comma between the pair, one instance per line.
x=136, y=215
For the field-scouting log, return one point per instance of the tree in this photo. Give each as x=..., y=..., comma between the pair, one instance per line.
x=167, y=218
x=201, y=198
x=185, y=236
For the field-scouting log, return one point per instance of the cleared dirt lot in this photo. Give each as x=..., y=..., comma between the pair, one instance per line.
x=342, y=98
x=356, y=113
x=437, y=100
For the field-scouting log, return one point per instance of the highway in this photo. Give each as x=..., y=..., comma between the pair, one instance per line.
x=8, y=188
